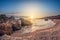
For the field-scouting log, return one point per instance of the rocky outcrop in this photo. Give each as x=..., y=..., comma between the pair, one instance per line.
x=53, y=17
x=8, y=25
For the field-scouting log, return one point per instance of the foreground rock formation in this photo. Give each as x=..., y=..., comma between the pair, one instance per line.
x=9, y=24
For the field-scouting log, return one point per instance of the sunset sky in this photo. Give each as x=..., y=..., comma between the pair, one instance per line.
x=36, y=8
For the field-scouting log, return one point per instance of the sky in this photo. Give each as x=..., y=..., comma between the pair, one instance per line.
x=36, y=8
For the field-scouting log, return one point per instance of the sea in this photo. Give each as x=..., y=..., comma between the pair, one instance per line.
x=38, y=25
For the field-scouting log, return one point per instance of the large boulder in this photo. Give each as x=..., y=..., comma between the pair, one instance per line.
x=25, y=22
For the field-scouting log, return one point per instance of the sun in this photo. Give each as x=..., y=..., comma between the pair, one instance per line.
x=31, y=17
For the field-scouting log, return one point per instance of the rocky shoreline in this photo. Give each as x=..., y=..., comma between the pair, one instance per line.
x=52, y=33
